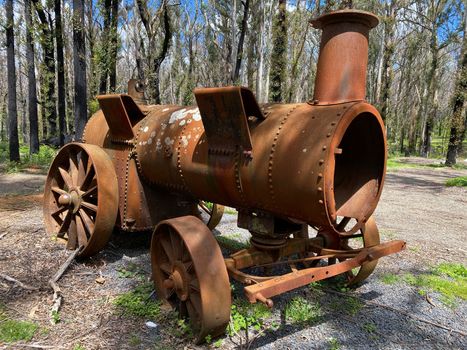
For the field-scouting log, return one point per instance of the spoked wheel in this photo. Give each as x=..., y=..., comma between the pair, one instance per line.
x=81, y=197
x=189, y=272
x=214, y=212
x=367, y=236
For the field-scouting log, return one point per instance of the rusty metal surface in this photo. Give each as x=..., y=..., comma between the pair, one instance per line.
x=189, y=272
x=81, y=197
x=284, y=167
x=343, y=57
x=284, y=283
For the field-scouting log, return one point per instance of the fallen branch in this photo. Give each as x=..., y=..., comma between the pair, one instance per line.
x=403, y=312
x=4, y=234
x=18, y=283
x=57, y=299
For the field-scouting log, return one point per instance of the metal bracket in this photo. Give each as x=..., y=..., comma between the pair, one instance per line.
x=121, y=113
x=225, y=112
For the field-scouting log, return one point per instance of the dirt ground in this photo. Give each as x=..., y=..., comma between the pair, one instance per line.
x=415, y=206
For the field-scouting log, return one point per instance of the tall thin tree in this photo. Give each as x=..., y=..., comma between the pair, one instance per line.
x=79, y=63
x=60, y=72
x=459, y=108
x=32, y=89
x=278, y=55
x=12, y=110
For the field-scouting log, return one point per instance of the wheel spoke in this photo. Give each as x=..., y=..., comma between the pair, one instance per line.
x=73, y=168
x=194, y=285
x=82, y=239
x=90, y=192
x=72, y=236
x=87, y=221
x=66, y=177
x=193, y=312
x=82, y=164
x=167, y=248
x=58, y=190
x=165, y=267
x=66, y=222
x=176, y=245
x=90, y=173
x=89, y=206
x=56, y=214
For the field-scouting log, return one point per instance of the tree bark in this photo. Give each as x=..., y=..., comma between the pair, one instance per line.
x=278, y=55
x=48, y=70
x=79, y=61
x=113, y=47
x=32, y=90
x=104, y=48
x=459, y=112
x=60, y=72
x=243, y=29
x=12, y=109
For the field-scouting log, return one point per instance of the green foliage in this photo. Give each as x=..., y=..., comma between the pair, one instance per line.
x=460, y=181
x=12, y=330
x=300, y=310
x=369, y=327
x=244, y=315
x=138, y=302
x=131, y=270
x=390, y=278
x=231, y=244
x=334, y=344
x=79, y=347
x=218, y=343
x=93, y=106
x=134, y=340
x=40, y=160
x=183, y=328
x=55, y=317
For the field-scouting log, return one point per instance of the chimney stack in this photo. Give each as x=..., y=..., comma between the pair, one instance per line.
x=343, y=56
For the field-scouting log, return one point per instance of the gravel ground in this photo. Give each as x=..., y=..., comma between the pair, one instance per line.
x=415, y=206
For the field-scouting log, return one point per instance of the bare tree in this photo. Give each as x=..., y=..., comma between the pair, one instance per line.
x=12, y=108
x=60, y=72
x=79, y=62
x=278, y=55
x=32, y=90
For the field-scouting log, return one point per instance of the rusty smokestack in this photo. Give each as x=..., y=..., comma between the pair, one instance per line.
x=343, y=56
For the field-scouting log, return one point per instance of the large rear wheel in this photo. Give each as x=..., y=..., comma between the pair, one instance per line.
x=81, y=197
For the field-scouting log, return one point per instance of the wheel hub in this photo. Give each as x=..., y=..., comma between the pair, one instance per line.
x=179, y=280
x=71, y=199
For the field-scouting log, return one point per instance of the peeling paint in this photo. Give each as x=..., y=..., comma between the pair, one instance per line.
x=304, y=150
x=146, y=128
x=168, y=141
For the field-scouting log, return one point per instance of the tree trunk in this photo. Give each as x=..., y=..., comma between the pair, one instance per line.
x=459, y=113
x=79, y=61
x=32, y=92
x=278, y=55
x=113, y=47
x=243, y=29
x=387, y=73
x=60, y=72
x=430, y=103
x=12, y=110
x=47, y=70
x=104, y=48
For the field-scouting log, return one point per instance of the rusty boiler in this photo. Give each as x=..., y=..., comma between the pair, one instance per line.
x=284, y=167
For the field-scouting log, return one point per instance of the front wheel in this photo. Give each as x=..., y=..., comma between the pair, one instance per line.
x=189, y=272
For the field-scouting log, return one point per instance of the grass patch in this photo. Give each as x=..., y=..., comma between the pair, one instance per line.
x=449, y=280
x=300, y=310
x=460, y=181
x=40, y=161
x=390, y=278
x=395, y=163
x=13, y=331
x=138, y=302
x=244, y=315
x=231, y=244
x=334, y=344
x=130, y=270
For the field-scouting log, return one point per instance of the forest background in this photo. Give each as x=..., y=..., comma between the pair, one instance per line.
x=61, y=54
